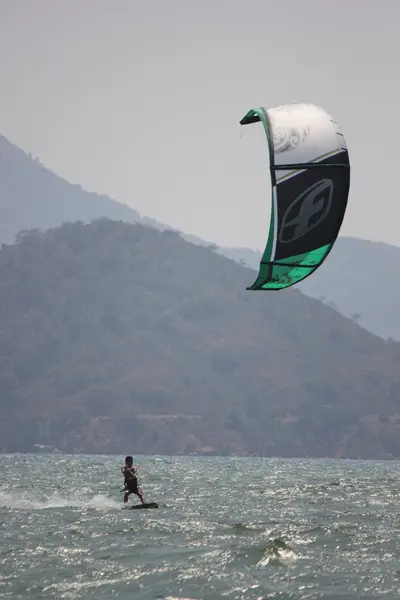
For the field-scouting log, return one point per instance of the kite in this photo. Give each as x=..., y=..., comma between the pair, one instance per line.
x=310, y=176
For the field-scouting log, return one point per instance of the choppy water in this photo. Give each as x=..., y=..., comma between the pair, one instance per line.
x=226, y=528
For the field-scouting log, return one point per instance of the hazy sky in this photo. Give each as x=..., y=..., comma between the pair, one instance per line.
x=141, y=100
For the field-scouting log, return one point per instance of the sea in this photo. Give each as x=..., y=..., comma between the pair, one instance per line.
x=225, y=528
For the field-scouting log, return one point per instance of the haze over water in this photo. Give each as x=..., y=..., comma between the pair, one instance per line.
x=235, y=528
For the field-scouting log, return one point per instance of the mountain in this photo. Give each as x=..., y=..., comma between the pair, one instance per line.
x=117, y=337
x=359, y=278
x=32, y=196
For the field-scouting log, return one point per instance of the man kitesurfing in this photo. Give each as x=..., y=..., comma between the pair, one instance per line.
x=131, y=482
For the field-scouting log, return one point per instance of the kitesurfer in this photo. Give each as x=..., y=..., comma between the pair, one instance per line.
x=131, y=482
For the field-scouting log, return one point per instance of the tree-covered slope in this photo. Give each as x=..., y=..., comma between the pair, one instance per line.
x=117, y=337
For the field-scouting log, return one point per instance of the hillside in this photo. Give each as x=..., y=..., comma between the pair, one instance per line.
x=359, y=278
x=117, y=337
x=32, y=196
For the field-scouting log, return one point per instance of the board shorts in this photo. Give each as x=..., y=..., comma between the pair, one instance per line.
x=132, y=485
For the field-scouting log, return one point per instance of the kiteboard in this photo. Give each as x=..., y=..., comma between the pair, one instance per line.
x=145, y=505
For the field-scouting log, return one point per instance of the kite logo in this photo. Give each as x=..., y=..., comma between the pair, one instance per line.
x=307, y=211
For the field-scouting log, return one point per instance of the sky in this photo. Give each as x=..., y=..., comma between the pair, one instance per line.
x=142, y=100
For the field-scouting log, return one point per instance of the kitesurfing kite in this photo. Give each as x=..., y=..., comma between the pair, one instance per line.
x=310, y=175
